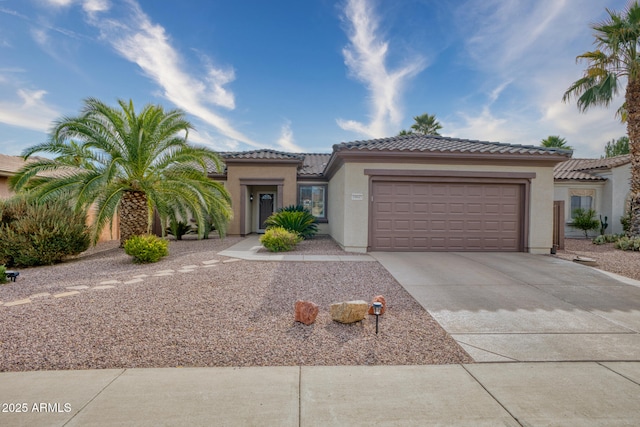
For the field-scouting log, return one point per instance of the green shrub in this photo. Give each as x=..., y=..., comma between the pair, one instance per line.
x=146, y=248
x=606, y=238
x=292, y=208
x=3, y=274
x=300, y=222
x=179, y=229
x=628, y=243
x=34, y=234
x=626, y=221
x=584, y=219
x=279, y=239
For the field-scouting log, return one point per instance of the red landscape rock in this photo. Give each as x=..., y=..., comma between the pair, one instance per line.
x=306, y=312
x=378, y=298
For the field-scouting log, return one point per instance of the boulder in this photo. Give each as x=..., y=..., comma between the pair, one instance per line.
x=378, y=298
x=306, y=312
x=349, y=311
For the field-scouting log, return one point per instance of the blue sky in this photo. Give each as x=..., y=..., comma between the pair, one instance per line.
x=302, y=75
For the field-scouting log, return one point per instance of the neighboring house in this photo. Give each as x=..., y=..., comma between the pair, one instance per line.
x=404, y=193
x=599, y=184
x=9, y=165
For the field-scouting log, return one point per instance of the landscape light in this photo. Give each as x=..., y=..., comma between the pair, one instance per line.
x=377, y=308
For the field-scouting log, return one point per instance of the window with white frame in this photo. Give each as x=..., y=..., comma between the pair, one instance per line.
x=581, y=199
x=314, y=199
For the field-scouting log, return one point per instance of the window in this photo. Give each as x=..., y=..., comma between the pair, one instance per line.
x=580, y=202
x=314, y=199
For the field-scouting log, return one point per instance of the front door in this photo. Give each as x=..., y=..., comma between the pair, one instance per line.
x=267, y=202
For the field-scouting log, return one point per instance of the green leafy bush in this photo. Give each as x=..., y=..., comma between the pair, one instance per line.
x=34, y=234
x=3, y=274
x=628, y=243
x=179, y=229
x=279, y=239
x=146, y=248
x=585, y=220
x=606, y=238
x=296, y=221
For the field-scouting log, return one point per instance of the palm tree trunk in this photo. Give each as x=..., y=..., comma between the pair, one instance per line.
x=632, y=98
x=134, y=215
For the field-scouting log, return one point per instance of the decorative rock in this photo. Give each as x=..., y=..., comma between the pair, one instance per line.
x=306, y=312
x=349, y=311
x=378, y=298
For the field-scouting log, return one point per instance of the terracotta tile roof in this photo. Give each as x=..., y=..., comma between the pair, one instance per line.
x=314, y=164
x=583, y=169
x=432, y=143
x=265, y=154
x=9, y=165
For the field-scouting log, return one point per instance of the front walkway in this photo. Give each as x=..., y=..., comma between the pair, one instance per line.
x=248, y=249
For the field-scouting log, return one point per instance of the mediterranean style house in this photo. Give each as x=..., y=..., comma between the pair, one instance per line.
x=599, y=184
x=404, y=193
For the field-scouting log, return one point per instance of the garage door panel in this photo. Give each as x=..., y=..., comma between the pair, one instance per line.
x=422, y=216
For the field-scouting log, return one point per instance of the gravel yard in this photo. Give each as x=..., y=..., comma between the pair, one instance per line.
x=624, y=263
x=189, y=310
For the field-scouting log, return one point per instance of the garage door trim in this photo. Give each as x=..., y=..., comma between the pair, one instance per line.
x=467, y=177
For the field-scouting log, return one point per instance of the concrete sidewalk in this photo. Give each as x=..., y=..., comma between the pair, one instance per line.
x=512, y=394
x=248, y=248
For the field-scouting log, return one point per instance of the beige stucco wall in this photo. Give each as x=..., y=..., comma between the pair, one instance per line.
x=351, y=230
x=561, y=192
x=621, y=188
x=236, y=172
x=335, y=206
x=5, y=193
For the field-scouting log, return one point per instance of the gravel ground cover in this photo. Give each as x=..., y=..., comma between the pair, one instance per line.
x=194, y=309
x=624, y=263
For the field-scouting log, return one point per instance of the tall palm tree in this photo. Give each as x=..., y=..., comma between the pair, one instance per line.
x=555, y=141
x=132, y=164
x=615, y=61
x=426, y=124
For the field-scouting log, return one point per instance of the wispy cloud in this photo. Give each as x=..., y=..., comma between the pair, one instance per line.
x=366, y=59
x=286, y=141
x=139, y=40
x=30, y=111
x=532, y=46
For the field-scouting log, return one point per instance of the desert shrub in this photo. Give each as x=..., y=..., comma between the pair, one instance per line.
x=279, y=239
x=628, y=243
x=300, y=222
x=179, y=229
x=292, y=208
x=606, y=238
x=34, y=234
x=585, y=220
x=626, y=221
x=3, y=274
x=146, y=248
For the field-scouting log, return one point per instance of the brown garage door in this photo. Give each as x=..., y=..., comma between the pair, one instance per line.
x=427, y=216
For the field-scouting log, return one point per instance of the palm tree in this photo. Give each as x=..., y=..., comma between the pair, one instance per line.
x=127, y=163
x=426, y=124
x=615, y=61
x=555, y=141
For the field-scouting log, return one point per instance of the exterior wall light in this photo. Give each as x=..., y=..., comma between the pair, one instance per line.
x=251, y=197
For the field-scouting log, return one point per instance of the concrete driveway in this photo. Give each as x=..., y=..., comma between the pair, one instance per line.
x=520, y=307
